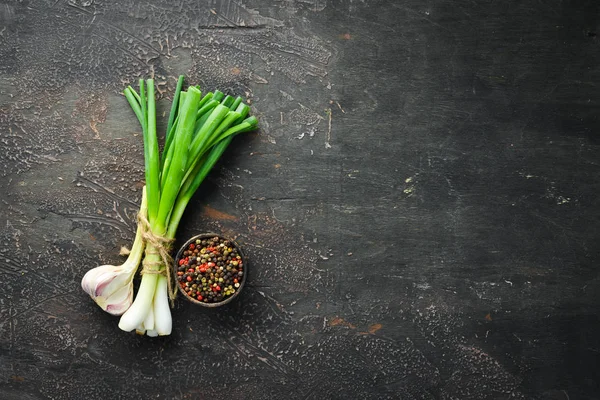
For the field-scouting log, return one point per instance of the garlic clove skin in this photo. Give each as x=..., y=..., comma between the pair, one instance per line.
x=118, y=302
x=111, y=287
x=97, y=279
x=90, y=280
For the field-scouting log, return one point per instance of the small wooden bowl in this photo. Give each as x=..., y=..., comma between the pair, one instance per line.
x=203, y=236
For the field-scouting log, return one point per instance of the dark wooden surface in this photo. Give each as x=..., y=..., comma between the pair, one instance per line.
x=420, y=204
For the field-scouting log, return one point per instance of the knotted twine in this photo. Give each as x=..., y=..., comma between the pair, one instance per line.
x=161, y=246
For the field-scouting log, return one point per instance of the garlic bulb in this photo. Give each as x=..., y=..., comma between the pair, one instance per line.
x=111, y=286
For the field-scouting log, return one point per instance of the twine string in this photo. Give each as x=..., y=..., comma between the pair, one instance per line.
x=161, y=246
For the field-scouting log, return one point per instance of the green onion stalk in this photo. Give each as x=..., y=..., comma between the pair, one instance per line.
x=199, y=130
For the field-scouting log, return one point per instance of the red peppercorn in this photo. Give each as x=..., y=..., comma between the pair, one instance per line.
x=202, y=270
x=179, y=273
x=191, y=270
x=189, y=278
x=192, y=246
x=235, y=281
x=199, y=297
x=218, y=288
x=181, y=261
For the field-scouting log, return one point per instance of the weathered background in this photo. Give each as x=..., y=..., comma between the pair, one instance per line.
x=420, y=205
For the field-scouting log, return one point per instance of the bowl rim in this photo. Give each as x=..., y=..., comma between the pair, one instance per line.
x=209, y=235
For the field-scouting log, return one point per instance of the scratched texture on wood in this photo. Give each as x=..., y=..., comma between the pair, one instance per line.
x=420, y=204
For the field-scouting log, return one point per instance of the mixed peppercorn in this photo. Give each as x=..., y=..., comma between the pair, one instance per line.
x=210, y=270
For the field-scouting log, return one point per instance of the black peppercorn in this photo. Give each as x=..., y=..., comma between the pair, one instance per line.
x=208, y=268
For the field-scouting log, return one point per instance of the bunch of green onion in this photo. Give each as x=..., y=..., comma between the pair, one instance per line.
x=199, y=130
